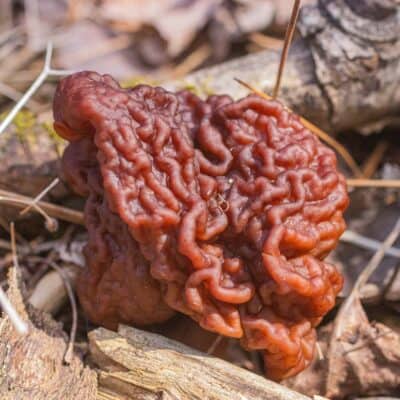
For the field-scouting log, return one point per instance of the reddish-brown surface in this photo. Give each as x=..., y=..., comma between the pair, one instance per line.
x=218, y=209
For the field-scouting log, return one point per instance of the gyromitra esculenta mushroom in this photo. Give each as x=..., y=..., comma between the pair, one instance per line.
x=219, y=209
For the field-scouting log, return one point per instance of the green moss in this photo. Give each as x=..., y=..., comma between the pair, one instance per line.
x=192, y=88
x=205, y=86
x=25, y=119
x=24, y=122
x=137, y=80
x=57, y=140
x=202, y=88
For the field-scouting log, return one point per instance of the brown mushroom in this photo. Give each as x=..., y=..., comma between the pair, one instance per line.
x=222, y=210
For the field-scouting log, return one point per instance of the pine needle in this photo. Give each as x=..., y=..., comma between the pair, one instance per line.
x=288, y=40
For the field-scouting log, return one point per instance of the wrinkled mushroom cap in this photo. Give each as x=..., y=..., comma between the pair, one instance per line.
x=223, y=210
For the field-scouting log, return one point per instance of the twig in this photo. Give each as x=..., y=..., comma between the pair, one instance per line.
x=15, y=95
x=386, y=183
x=288, y=40
x=8, y=308
x=70, y=292
x=319, y=351
x=313, y=128
x=69, y=353
x=192, y=61
x=40, y=195
x=371, y=164
x=16, y=200
x=13, y=245
x=53, y=210
x=46, y=71
x=363, y=278
x=377, y=258
x=214, y=344
x=266, y=42
x=367, y=243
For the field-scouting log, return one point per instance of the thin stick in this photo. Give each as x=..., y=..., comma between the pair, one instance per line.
x=364, y=276
x=313, y=128
x=192, y=61
x=8, y=308
x=319, y=351
x=70, y=292
x=54, y=210
x=19, y=324
x=383, y=183
x=69, y=353
x=288, y=40
x=15, y=95
x=50, y=223
x=215, y=344
x=266, y=42
x=46, y=71
x=40, y=195
x=372, y=163
x=378, y=256
x=13, y=245
x=6, y=226
x=28, y=94
x=367, y=243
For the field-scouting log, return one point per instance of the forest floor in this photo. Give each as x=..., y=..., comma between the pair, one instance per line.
x=138, y=47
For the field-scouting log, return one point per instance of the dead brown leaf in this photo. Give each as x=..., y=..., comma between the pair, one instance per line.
x=363, y=361
x=176, y=22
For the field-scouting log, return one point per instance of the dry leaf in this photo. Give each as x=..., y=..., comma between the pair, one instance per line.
x=177, y=22
x=364, y=360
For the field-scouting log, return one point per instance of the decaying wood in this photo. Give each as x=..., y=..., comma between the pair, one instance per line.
x=136, y=363
x=32, y=366
x=342, y=73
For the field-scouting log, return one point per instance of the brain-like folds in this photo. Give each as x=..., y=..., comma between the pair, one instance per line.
x=222, y=210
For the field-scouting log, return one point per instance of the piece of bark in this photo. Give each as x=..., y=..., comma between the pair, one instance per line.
x=32, y=366
x=342, y=73
x=140, y=365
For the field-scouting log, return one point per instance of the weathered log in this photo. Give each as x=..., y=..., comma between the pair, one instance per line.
x=342, y=73
x=142, y=365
